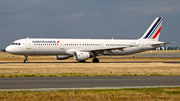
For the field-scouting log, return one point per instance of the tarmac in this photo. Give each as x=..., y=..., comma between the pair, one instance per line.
x=85, y=83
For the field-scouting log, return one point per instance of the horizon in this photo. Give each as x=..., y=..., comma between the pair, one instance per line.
x=87, y=19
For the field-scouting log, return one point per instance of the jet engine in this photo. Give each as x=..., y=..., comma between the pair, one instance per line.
x=61, y=57
x=81, y=56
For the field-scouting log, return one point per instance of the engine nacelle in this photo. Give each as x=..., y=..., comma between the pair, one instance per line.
x=61, y=57
x=81, y=56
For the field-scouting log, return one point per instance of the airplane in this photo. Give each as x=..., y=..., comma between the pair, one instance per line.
x=83, y=49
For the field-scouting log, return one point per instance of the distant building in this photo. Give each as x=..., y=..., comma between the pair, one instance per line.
x=167, y=48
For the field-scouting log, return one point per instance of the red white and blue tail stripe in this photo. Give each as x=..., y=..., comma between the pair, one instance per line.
x=153, y=31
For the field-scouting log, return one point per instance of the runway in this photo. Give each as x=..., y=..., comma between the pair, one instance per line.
x=71, y=83
x=174, y=62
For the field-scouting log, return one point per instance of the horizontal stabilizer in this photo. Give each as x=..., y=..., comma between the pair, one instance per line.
x=161, y=44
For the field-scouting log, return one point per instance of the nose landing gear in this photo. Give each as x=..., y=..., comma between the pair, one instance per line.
x=26, y=61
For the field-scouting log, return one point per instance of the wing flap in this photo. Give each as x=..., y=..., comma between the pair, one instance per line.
x=109, y=49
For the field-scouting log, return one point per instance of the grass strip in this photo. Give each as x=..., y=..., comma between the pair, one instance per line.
x=147, y=94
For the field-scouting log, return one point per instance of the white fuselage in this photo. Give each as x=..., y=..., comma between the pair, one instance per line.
x=34, y=46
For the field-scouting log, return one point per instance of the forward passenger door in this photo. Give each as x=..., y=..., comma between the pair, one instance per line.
x=28, y=44
x=61, y=45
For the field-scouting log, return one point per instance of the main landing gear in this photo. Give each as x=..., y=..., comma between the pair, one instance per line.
x=95, y=60
x=26, y=61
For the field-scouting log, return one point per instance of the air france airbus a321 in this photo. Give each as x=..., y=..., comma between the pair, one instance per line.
x=83, y=49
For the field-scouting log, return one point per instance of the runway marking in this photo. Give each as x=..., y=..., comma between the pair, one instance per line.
x=92, y=63
x=89, y=88
x=90, y=79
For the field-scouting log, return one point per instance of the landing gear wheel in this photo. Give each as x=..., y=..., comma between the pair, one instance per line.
x=26, y=57
x=25, y=61
x=95, y=60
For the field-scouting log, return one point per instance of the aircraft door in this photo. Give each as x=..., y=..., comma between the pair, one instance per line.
x=61, y=45
x=28, y=44
x=102, y=45
x=141, y=45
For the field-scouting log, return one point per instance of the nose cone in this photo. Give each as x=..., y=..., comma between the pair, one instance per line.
x=9, y=49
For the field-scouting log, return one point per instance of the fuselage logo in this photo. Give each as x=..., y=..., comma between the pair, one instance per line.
x=43, y=41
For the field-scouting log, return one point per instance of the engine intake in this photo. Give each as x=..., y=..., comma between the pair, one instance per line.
x=81, y=56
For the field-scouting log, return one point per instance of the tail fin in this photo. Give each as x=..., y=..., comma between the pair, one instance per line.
x=153, y=31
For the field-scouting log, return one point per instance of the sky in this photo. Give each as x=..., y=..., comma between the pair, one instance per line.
x=93, y=19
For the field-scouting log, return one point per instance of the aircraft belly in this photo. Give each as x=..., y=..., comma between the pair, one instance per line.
x=50, y=52
x=45, y=51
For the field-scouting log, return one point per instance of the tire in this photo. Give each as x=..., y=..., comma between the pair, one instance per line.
x=95, y=60
x=25, y=61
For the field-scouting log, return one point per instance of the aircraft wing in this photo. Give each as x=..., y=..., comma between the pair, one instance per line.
x=161, y=44
x=101, y=50
x=96, y=51
x=109, y=49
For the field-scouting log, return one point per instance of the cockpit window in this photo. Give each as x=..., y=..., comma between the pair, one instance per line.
x=16, y=44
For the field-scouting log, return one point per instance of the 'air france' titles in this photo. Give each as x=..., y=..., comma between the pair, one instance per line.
x=43, y=41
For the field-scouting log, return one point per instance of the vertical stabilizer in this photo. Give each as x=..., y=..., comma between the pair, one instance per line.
x=153, y=31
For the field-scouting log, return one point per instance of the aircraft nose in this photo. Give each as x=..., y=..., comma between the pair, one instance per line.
x=8, y=49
